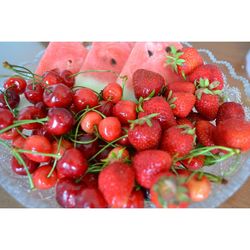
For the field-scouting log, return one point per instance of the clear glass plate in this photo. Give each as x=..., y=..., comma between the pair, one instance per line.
x=237, y=88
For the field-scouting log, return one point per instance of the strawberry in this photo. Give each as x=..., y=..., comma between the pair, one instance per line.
x=230, y=110
x=148, y=164
x=145, y=136
x=116, y=182
x=194, y=163
x=204, y=133
x=194, y=117
x=145, y=82
x=159, y=105
x=178, y=141
x=169, y=191
x=233, y=133
x=136, y=200
x=184, y=121
x=188, y=87
x=181, y=103
x=210, y=72
x=185, y=61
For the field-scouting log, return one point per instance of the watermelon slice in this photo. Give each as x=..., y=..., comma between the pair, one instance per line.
x=150, y=56
x=62, y=55
x=104, y=56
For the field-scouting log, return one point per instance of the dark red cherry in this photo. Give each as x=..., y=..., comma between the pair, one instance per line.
x=6, y=118
x=91, y=180
x=67, y=78
x=87, y=149
x=106, y=107
x=43, y=131
x=58, y=95
x=34, y=93
x=72, y=164
x=19, y=168
x=18, y=84
x=60, y=121
x=12, y=98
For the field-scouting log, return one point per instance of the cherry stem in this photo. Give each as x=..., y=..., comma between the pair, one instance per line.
x=23, y=122
x=21, y=161
x=8, y=105
x=106, y=146
x=56, y=156
x=84, y=142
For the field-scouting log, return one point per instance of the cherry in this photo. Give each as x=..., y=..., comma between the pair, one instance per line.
x=72, y=164
x=106, y=108
x=109, y=128
x=67, y=191
x=6, y=118
x=12, y=98
x=19, y=168
x=42, y=106
x=60, y=121
x=18, y=142
x=91, y=198
x=89, y=149
x=91, y=180
x=31, y=113
x=112, y=92
x=67, y=78
x=34, y=93
x=10, y=134
x=63, y=147
x=124, y=141
x=84, y=97
x=125, y=110
x=41, y=179
x=104, y=154
x=51, y=77
x=43, y=131
x=58, y=95
x=18, y=84
x=37, y=143
x=89, y=121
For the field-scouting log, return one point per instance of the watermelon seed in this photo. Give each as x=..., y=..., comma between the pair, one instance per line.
x=150, y=53
x=113, y=61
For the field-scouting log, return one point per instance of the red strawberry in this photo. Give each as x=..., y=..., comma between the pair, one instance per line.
x=233, y=133
x=188, y=87
x=184, y=121
x=178, y=141
x=159, y=105
x=136, y=200
x=230, y=110
x=204, y=133
x=210, y=72
x=194, y=117
x=194, y=163
x=169, y=191
x=145, y=136
x=148, y=164
x=116, y=182
x=182, y=103
x=145, y=81
x=185, y=61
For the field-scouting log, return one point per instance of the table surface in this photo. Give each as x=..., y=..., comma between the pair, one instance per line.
x=235, y=53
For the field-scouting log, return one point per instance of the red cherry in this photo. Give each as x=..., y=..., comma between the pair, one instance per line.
x=12, y=98
x=91, y=180
x=51, y=77
x=110, y=128
x=31, y=113
x=6, y=118
x=18, y=142
x=67, y=78
x=43, y=131
x=125, y=110
x=63, y=147
x=112, y=92
x=34, y=93
x=124, y=141
x=89, y=121
x=18, y=84
x=19, y=168
x=37, y=143
x=72, y=164
x=41, y=179
x=87, y=149
x=60, y=121
x=106, y=108
x=58, y=95
x=67, y=191
x=10, y=134
x=85, y=97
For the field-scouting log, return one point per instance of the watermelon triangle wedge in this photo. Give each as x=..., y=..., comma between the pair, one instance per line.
x=150, y=56
x=64, y=56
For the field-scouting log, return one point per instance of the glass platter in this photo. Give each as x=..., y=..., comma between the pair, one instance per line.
x=237, y=88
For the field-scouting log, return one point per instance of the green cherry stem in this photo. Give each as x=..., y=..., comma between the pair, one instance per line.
x=56, y=156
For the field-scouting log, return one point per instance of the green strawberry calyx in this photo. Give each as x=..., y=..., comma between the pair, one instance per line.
x=174, y=58
x=141, y=100
x=142, y=120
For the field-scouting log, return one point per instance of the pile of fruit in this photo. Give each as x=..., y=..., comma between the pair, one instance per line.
x=99, y=149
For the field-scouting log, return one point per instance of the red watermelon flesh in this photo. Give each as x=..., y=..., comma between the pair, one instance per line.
x=104, y=56
x=150, y=56
x=62, y=55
